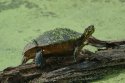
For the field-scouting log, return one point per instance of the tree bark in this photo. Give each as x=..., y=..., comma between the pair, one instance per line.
x=89, y=66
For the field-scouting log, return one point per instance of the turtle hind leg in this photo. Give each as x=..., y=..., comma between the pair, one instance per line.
x=24, y=60
x=39, y=60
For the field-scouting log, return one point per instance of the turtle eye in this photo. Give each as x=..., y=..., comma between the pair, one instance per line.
x=89, y=30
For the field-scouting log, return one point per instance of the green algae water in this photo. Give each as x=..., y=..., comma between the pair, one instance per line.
x=23, y=20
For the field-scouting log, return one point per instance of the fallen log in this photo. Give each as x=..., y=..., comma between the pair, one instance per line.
x=90, y=66
x=84, y=70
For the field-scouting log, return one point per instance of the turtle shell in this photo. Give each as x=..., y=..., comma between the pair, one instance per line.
x=57, y=35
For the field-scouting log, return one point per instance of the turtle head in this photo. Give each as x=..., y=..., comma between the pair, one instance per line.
x=88, y=31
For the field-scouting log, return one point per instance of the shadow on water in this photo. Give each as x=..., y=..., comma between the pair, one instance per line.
x=16, y=4
x=13, y=4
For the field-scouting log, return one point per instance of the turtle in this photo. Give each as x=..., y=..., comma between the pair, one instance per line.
x=58, y=42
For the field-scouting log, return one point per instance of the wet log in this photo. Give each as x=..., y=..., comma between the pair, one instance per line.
x=89, y=66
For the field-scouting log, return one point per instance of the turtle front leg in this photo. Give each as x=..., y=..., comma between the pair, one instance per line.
x=78, y=49
x=39, y=60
